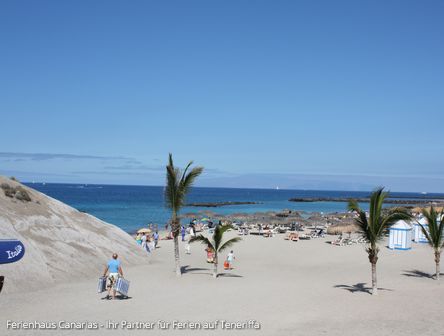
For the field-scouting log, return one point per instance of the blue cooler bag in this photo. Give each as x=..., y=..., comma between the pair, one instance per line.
x=122, y=286
x=101, y=286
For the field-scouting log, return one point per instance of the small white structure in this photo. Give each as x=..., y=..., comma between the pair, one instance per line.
x=418, y=235
x=400, y=237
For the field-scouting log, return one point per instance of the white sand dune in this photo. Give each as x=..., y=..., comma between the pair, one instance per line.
x=61, y=243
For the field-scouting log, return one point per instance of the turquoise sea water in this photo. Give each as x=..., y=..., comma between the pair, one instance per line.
x=131, y=207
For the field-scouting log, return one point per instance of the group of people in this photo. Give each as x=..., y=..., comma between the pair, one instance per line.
x=149, y=242
x=229, y=261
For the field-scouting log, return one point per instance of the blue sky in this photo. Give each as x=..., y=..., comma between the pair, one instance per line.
x=296, y=94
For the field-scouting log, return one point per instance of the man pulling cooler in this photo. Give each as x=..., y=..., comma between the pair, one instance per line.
x=114, y=269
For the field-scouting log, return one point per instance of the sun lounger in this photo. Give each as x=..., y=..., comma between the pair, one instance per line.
x=267, y=234
x=293, y=236
x=338, y=242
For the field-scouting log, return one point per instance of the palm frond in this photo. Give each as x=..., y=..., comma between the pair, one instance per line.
x=363, y=224
x=178, y=184
x=219, y=232
x=435, y=231
x=187, y=180
x=376, y=226
x=229, y=243
x=203, y=240
x=185, y=170
x=171, y=187
x=353, y=205
x=379, y=219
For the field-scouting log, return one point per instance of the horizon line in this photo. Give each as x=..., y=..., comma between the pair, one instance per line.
x=248, y=188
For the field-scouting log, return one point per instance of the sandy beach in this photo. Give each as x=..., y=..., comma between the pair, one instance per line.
x=311, y=131
x=290, y=288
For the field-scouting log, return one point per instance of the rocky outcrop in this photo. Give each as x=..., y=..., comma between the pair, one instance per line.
x=62, y=244
x=366, y=200
x=218, y=204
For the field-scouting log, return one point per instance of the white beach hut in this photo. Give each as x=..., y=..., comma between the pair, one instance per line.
x=400, y=237
x=418, y=235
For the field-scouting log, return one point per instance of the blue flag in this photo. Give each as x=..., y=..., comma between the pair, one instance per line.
x=11, y=250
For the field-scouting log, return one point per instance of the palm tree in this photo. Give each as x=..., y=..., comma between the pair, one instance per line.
x=178, y=184
x=375, y=224
x=216, y=243
x=435, y=232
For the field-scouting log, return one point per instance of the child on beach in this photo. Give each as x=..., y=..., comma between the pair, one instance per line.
x=230, y=259
x=210, y=254
x=139, y=239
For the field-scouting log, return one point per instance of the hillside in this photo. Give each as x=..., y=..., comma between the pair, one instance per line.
x=62, y=244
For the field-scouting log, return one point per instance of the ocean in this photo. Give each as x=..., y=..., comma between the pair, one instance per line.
x=132, y=207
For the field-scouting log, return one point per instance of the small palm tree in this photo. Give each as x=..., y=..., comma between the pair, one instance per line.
x=178, y=184
x=216, y=243
x=434, y=233
x=374, y=226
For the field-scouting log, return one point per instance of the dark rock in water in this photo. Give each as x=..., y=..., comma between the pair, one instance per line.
x=362, y=200
x=218, y=204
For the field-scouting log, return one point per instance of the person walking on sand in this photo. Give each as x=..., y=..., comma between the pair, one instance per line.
x=151, y=244
x=114, y=269
x=156, y=238
x=188, y=248
x=144, y=245
x=230, y=259
x=183, y=231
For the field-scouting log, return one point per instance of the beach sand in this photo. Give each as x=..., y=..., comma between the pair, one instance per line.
x=290, y=288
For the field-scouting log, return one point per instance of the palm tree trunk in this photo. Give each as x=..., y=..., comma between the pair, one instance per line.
x=215, y=266
x=175, y=230
x=437, y=259
x=373, y=258
x=176, y=256
x=374, y=281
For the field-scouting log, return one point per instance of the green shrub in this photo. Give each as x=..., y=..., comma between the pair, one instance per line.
x=8, y=190
x=19, y=192
x=22, y=195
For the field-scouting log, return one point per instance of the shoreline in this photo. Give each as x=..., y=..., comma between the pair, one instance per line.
x=219, y=204
x=428, y=201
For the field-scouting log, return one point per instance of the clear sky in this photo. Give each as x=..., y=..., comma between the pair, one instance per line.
x=295, y=94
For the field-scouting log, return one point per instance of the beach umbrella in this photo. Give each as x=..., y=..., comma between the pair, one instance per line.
x=190, y=215
x=144, y=230
x=207, y=213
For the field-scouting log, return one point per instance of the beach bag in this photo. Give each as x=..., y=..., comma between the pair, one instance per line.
x=122, y=286
x=101, y=287
x=226, y=264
